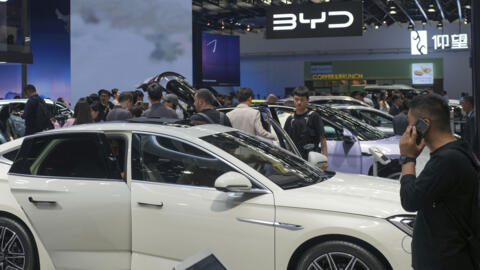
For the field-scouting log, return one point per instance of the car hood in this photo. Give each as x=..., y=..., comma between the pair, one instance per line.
x=348, y=193
x=389, y=146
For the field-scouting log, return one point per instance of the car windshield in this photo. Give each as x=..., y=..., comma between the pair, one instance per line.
x=363, y=131
x=281, y=167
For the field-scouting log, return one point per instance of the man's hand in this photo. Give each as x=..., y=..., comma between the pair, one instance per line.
x=325, y=167
x=408, y=145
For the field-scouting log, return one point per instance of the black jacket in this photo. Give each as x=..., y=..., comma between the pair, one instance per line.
x=158, y=110
x=214, y=117
x=29, y=114
x=447, y=179
x=118, y=113
x=469, y=132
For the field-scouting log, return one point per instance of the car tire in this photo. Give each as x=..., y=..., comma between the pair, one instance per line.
x=16, y=246
x=344, y=255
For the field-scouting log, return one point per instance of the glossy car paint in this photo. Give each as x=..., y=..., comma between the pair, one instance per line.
x=192, y=219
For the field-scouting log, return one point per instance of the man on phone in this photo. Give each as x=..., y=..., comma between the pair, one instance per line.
x=447, y=185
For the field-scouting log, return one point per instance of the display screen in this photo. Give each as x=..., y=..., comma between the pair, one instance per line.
x=220, y=60
x=422, y=73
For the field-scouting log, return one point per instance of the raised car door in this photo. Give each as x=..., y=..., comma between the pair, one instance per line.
x=177, y=212
x=70, y=187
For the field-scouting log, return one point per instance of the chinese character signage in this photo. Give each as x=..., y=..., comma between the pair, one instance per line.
x=315, y=20
x=419, y=42
x=422, y=73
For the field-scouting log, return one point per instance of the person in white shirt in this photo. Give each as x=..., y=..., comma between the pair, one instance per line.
x=248, y=119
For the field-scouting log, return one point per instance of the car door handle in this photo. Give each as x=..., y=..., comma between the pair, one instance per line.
x=30, y=199
x=160, y=205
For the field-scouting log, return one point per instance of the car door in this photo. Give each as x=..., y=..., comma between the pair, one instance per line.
x=70, y=187
x=176, y=211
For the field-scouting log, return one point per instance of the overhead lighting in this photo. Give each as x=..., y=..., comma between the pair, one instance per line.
x=223, y=27
x=410, y=26
x=431, y=8
x=424, y=22
x=364, y=27
x=249, y=28
x=3, y=1
x=393, y=11
x=208, y=23
x=392, y=7
x=465, y=20
x=468, y=7
x=440, y=25
x=3, y=62
x=384, y=22
x=377, y=26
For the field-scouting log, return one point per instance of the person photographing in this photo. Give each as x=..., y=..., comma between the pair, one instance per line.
x=444, y=193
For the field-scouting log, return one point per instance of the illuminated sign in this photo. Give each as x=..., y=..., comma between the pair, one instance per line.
x=315, y=20
x=419, y=42
x=355, y=76
x=422, y=73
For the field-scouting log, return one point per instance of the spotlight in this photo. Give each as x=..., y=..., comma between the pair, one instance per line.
x=249, y=28
x=364, y=28
x=392, y=7
x=468, y=7
x=3, y=1
x=223, y=27
x=377, y=26
x=393, y=11
x=431, y=8
x=424, y=22
x=410, y=26
x=465, y=20
x=208, y=23
x=440, y=25
x=384, y=22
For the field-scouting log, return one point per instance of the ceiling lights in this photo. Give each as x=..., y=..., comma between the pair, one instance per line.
x=440, y=25
x=431, y=8
x=410, y=26
x=391, y=6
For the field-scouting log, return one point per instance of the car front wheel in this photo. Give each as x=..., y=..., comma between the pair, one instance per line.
x=336, y=255
x=16, y=247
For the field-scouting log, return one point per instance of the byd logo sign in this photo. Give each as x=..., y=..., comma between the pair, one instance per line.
x=315, y=20
x=291, y=20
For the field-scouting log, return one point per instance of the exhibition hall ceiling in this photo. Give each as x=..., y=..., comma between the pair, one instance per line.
x=249, y=15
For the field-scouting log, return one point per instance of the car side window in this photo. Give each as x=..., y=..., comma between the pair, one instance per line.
x=11, y=155
x=379, y=119
x=332, y=133
x=165, y=160
x=67, y=155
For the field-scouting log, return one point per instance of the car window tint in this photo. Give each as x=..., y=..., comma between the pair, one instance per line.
x=332, y=133
x=71, y=155
x=378, y=119
x=165, y=160
x=11, y=155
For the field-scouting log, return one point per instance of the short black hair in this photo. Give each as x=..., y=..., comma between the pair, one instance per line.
x=155, y=91
x=470, y=100
x=139, y=93
x=95, y=106
x=244, y=93
x=124, y=96
x=30, y=88
x=301, y=91
x=206, y=95
x=395, y=97
x=434, y=107
x=137, y=110
x=114, y=91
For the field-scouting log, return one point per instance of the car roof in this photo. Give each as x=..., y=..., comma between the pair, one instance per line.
x=172, y=129
x=359, y=107
x=22, y=100
x=389, y=87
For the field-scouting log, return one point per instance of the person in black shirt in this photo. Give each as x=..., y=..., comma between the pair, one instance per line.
x=447, y=184
x=206, y=113
x=469, y=130
x=305, y=127
x=33, y=122
x=396, y=107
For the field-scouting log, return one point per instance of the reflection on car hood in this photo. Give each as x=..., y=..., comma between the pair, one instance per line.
x=348, y=193
x=389, y=146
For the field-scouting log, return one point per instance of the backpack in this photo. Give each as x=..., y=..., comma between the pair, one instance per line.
x=308, y=137
x=43, y=116
x=470, y=232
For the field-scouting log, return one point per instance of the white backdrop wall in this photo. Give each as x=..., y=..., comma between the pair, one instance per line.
x=119, y=44
x=268, y=66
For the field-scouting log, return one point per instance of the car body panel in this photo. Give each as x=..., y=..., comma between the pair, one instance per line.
x=350, y=205
x=331, y=100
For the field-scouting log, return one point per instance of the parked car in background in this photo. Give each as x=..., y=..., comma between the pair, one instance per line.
x=330, y=100
x=376, y=118
x=145, y=196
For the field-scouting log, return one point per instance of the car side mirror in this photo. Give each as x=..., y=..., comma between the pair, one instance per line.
x=317, y=159
x=233, y=182
x=348, y=137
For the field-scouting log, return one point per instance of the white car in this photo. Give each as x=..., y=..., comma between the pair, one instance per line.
x=147, y=196
x=376, y=118
x=331, y=100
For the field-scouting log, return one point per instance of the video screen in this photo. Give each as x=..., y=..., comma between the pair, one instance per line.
x=220, y=60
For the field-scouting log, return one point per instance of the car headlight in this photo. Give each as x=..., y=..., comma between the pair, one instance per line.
x=404, y=223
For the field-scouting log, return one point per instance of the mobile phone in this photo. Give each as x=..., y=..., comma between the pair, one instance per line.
x=422, y=127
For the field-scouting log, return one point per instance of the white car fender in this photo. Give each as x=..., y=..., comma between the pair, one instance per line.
x=9, y=205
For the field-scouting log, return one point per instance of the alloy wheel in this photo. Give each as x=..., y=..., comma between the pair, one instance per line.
x=337, y=261
x=12, y=253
